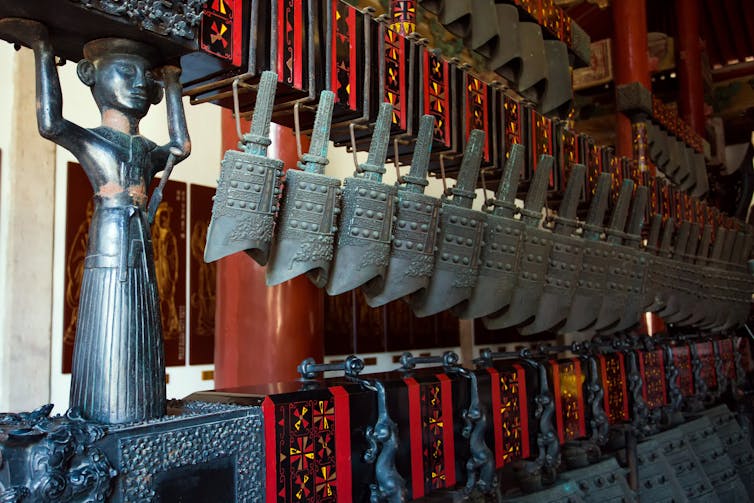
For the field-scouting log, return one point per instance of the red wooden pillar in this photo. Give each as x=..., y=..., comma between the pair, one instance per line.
x=689, y=59
x=630, y=59
x=262, y=333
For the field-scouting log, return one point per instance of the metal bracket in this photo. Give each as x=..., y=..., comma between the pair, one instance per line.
x=351, y=366
x=408, y=361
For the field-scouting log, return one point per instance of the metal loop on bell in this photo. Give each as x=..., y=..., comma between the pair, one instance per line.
x=484, y=185
x=450, y=157
x=297, y=123
x=236, y=105
x=352, y=131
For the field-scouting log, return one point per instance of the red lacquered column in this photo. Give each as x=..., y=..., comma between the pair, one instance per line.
x=630, y=60
x=262, y=333
x=691, y=100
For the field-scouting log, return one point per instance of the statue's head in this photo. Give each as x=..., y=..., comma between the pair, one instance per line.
x=119, y=72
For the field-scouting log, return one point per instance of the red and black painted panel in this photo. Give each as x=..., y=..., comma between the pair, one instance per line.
x=727, y=354
x=346, y=58
x=514, y=128
x=614, y=383
x=438, y=76
x=682, y=361
x=592, y=155
x=314, y=441
x=505, y=391
x=744, y=349
x=567, y=383
x=568, y=153
x=221, y=31
x=478, y=112
x=428, y=432
x=541, y=142
x=652, y=370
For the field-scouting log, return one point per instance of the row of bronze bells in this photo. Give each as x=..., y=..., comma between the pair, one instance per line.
x=681, y=164
x=396, y=242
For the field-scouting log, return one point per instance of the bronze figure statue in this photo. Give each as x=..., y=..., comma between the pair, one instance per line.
x=118, y=362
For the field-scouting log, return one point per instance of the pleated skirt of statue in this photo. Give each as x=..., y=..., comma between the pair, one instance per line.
x=118, y=373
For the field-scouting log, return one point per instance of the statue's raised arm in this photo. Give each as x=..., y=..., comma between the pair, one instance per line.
x=50, y=119
x=180, y=144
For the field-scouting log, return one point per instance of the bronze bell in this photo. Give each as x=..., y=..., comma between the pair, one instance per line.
x=699, y=289
x=564, y=264
x=502, y=237
x=532, y=78
x=417, y=216
x=459, y=240
x=614, y=290
x=651, y=251
x=505, y=58
x=596, y=258
x=532, y=258
x=728, y=290
x=305, y=235
x=686, y=275
x=659, y=267
x=636, y=264
x=674, y=270
x=246, y=200
x=558, y=92
x=362, y=250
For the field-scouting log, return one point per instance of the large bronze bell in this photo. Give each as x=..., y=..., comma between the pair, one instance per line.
x=614, y=289
x=636, y=264
x=502, y=237
x=532, y=259
x=659, y=267
x=412, y=256
x=674, y=271
x=505, y=58
x=564, y=262
x=532, y=79
x=246, y=200
x=558, y=92
x=596, y=258
x=305, y=235
x=459, y=239
x=683, y=300
x=362, y=250
x=697, y=281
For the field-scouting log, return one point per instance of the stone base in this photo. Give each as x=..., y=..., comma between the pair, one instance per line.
x=199, y=452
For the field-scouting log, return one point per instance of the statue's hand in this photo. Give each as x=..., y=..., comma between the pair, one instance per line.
x=167, y=73
x=23, y=31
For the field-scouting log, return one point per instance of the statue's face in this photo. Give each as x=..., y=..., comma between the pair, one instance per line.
x=123, y=82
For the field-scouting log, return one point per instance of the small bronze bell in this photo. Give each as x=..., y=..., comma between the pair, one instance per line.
x=305, y=235
x=246, y=200
x=502, y=236
x=596, y=258
x=532, y=259
x=564, y=264
x=614, y=289
x=362, y=251
x=636, y=264
x=728, y=293
x=459, y=239
x=412, y=256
